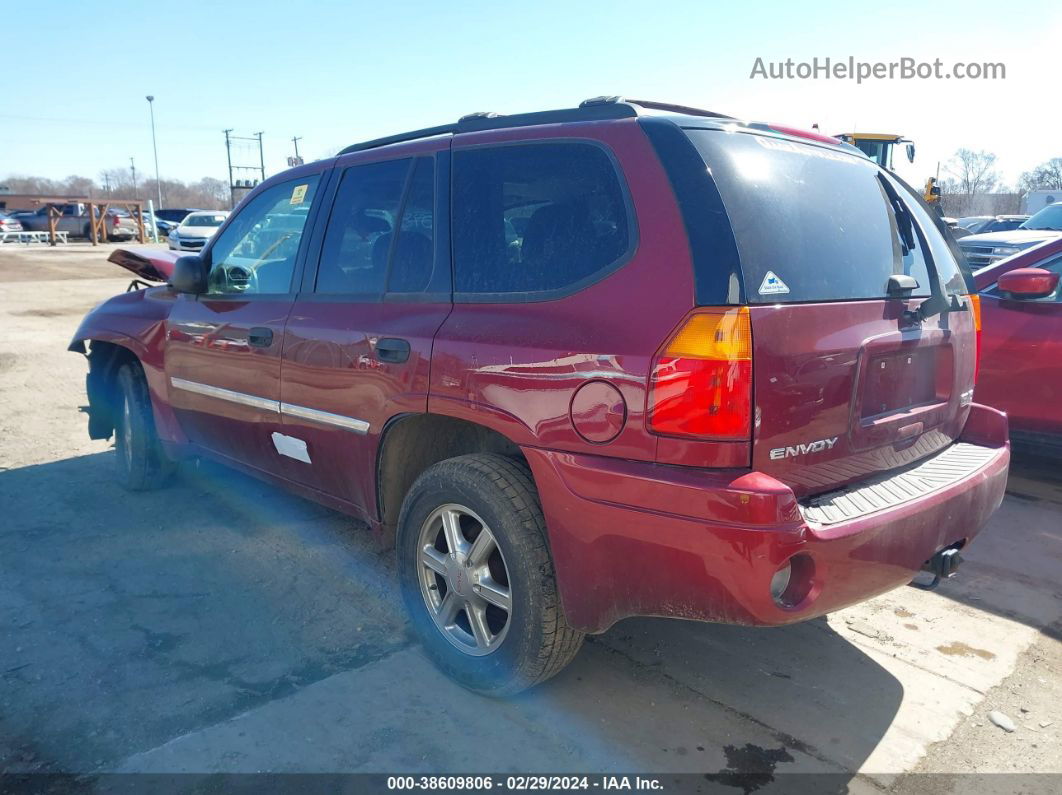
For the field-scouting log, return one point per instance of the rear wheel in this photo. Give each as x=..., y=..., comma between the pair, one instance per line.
x=477, y=576
x=140, y=464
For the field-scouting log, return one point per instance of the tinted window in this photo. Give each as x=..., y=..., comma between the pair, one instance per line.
x=535, y=217
x=1049, y=217
x=1004, y=225
x=357, y=245
x=948, y=259
x=813, y=224
x=414, y=250
x=204, y=220
x=256, y=252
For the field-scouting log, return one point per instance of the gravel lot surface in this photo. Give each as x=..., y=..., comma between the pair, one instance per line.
x=222, y=626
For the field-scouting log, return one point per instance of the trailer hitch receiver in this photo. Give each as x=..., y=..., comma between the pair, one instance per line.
x=944, y=564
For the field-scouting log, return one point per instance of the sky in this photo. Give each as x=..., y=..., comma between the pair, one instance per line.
x=335, y=73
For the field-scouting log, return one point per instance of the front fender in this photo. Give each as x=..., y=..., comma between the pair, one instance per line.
x=130, y=325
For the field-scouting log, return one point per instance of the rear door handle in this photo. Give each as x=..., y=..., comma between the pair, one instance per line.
x=392, y=349
x=260, y=337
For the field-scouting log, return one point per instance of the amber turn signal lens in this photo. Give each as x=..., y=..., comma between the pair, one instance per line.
x=720, y=334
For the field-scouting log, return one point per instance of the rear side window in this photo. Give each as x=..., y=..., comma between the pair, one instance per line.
x=536, y=218
x=812, y=224
x=414, y=250
x=380, y=233
x=357, y=244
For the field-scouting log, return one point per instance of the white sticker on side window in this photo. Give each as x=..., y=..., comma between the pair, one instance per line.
x=298, y=194
x=772, y=285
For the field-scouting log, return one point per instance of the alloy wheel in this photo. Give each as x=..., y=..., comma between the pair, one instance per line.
x=464, y=580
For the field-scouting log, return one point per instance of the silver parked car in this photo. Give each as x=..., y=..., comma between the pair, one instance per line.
x=986, y=249
x=196, y=229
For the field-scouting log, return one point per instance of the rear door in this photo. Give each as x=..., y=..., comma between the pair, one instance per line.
x=358, y=344
x=848, y=379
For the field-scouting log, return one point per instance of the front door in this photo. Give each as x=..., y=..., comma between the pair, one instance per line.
x=223, y=348
x=358, y=343
x=1022, y=341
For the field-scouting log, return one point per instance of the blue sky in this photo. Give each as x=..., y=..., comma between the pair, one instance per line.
x=338, y=72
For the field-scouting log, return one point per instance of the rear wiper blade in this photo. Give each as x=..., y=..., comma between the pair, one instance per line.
x=937, y=303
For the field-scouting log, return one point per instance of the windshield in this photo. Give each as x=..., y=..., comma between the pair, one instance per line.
x=1048, y=218
x=815, y=224
x=204, y=220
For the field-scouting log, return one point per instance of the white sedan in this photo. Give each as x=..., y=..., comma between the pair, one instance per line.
x=196, y=229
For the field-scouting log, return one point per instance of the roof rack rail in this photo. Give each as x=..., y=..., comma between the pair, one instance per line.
x=652, y=104
x=595, y=109
x=413, y=135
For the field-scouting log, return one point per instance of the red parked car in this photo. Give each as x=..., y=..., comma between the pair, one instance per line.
x=622, y=359
x=1022, y=344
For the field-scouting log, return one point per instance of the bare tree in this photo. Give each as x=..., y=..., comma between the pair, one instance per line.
x=973, y=173
x=1046, y=176
x=206, y=194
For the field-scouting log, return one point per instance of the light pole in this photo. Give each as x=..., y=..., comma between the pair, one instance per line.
x=154, y=146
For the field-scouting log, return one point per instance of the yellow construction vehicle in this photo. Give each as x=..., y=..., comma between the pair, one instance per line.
x=879, y=147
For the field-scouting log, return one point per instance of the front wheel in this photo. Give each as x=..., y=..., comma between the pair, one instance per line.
x=141, y=463
x=477, y=576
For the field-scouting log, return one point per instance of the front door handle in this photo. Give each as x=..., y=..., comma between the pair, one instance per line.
x=260, y=337
x=392, y=349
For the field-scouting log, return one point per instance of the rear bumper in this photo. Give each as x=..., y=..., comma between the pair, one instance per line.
x=631, y=538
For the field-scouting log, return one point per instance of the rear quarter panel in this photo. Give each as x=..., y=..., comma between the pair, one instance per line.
x=515, y=367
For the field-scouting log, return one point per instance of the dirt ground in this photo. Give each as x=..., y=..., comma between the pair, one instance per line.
x=222, y=626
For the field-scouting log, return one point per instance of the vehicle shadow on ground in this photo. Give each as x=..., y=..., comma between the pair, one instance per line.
x=1012, y=566
x=137, y=618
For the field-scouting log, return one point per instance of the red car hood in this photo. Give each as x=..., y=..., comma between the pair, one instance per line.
x=153, y=264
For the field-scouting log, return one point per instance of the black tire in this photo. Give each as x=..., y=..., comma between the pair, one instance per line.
x=140, y=462
x=538, y=641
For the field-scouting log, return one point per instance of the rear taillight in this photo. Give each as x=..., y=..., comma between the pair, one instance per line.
x=975, y=306
x=701, y=381
x=114, y=221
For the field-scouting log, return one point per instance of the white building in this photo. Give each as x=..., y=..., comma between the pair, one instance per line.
x=1038, y=199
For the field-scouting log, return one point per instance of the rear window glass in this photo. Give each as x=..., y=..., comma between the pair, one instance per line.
x=812, y=224
x=533, y=218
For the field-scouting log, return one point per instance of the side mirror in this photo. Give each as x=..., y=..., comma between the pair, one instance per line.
x=910, y=153
x=189, y=275
x=1027, y=283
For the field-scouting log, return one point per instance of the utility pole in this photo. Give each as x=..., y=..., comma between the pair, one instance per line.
x=261, y=154
x=154, y=147
x=295, y=161
x=132, y=167
x=107, y=183
x=228, y=154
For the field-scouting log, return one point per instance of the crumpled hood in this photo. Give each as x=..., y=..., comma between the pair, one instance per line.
x=153, y=264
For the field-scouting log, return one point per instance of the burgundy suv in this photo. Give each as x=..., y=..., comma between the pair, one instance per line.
x=622, y=359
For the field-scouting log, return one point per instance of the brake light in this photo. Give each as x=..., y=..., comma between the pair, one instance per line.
x=114, y=221
x=701, y=381
x=975, y=306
